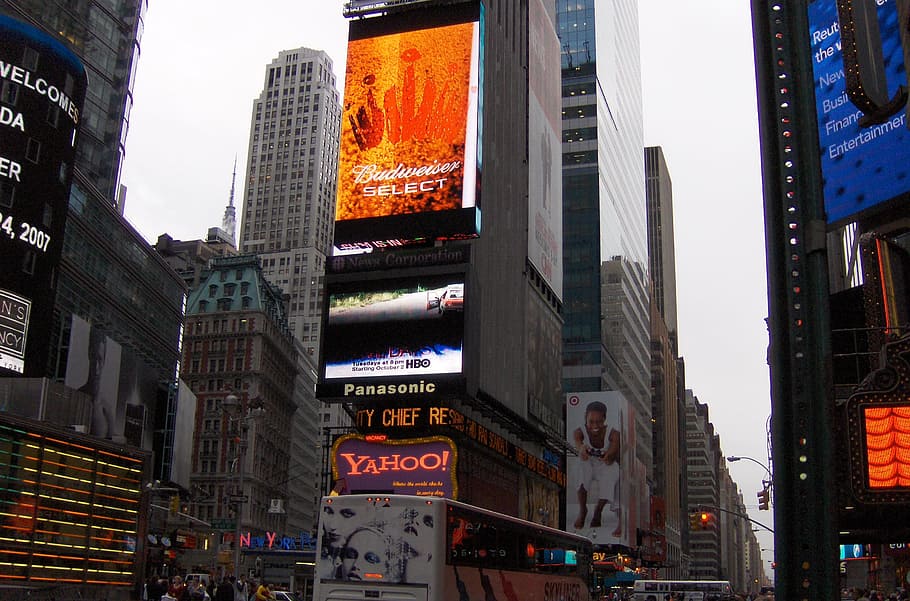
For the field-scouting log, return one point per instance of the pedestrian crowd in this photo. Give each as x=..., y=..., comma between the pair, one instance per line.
x=859, y=594
x=229, y=589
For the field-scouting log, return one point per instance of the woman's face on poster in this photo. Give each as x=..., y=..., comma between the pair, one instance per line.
x=365, y=553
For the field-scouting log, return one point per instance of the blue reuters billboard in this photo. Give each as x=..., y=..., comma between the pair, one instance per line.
x=860, y=82
x=42, y=87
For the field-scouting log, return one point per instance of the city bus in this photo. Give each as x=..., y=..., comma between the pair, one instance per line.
x=411, y=548
x=687, y=590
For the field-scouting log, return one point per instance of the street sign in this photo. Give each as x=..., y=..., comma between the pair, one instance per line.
x=224, y=524
x=239, y=498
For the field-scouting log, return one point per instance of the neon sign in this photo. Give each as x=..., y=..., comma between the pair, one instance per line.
x=421, y=466
x=273, y=541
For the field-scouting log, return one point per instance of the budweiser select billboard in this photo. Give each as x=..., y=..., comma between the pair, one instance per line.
x=409, y=166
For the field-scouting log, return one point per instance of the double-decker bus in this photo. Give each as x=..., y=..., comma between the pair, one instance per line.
x=688, y=590
x=431, y=549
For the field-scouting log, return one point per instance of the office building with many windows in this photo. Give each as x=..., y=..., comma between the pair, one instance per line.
x=289, y=189
x=109, y=278
x=606, y=336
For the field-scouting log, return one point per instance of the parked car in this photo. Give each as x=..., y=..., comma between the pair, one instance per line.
x=286, y=596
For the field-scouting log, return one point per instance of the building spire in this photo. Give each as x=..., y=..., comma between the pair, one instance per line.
x=229, y=222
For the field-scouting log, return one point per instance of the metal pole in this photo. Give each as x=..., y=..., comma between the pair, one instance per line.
x=241, y=459
x=805, y=514
x=738, y=457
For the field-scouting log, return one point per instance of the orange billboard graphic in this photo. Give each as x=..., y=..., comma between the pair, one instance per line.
x=888, y=446
x=409, y=129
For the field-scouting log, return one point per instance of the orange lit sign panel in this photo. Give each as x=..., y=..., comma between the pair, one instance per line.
x=409, y=137
x=888, y=446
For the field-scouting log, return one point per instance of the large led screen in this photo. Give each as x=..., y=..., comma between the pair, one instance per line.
x=69, y=508
x=409, y=161
x=42, y=87
x=865, y=146
x=887, y=430
x=403, y=329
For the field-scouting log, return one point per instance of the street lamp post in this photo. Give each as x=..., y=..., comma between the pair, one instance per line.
x=764, y=497
x=234, y=410
x=734, y=458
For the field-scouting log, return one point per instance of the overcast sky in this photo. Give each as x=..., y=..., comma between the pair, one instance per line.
x=203, y=63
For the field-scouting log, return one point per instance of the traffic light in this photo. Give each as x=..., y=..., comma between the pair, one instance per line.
x=764, y=499
x=705, y=520
x=694, y=522
x=175, y=505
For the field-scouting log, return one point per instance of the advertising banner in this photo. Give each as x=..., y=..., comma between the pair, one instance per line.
x=545, y=148
x=408, y=163
x=600, y=428
x=862, y=128
x=420, y=466
x=15, y=312
x=404, y=329
x=123, y=389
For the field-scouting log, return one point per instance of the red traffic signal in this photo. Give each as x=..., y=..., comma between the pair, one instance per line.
x=764, y=499
x=705, y=519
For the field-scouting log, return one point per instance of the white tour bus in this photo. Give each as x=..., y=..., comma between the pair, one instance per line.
x=691, y=590
x=430, y=549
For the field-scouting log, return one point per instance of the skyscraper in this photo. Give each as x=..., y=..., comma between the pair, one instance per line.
x=661, y=243
x=483, y=337
x=108, y=275
x=117, y=302
x=106, y=36
x=289, y=188
x=606, y=336
x=702, y=466
x=667, y=373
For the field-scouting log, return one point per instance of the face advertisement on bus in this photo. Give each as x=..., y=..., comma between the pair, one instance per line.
x=443, y=550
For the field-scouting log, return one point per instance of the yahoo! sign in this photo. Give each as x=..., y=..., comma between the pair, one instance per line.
x=422, y=467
